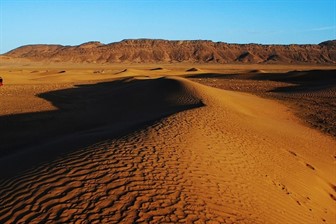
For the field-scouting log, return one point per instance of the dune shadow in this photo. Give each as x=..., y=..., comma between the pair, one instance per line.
x=87, y=114
x=298, y=76
x=156, y=69
x=304, y=81
x=212, y=76
x=312, y=80
x=304, y=88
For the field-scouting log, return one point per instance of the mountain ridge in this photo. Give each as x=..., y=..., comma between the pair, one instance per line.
x=169, y=51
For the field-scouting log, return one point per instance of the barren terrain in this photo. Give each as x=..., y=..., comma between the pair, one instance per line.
x=191, y=51
x=150, y=143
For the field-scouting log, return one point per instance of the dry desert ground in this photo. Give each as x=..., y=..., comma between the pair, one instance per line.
x=167, y=143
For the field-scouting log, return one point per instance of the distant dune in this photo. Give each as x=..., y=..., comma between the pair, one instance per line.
x=196, y=51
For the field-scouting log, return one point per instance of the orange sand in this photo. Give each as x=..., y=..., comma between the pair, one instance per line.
x=207, y=156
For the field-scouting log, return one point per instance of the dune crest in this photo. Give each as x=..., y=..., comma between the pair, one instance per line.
x=90, y=113
x=226, y=162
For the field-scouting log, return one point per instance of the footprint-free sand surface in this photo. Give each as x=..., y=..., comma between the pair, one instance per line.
x=157, y=148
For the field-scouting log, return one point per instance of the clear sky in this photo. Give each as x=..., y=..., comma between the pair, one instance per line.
x=72, y=22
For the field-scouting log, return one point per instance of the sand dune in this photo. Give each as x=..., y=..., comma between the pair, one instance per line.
x=87, y=114
x=192, y=70
x=219, y=157
x=311, y=94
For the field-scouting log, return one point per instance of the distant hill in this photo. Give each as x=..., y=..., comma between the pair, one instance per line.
x=198, y=51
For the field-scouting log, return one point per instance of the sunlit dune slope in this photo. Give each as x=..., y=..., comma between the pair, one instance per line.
x=237, y=159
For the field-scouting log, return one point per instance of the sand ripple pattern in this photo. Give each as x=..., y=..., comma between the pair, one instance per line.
x=127, y=180
x=192, y=167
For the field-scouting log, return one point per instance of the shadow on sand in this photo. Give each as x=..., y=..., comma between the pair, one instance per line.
x=86, y=115
x=313, y=80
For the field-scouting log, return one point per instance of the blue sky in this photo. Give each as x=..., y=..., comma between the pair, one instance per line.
x=72, y=22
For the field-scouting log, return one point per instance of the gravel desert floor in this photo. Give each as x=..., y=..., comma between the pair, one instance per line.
x=167, y=143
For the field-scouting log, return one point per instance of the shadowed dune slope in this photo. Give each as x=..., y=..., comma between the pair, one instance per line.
x=308, y=81
x=87, y=114
x=308, y=76
x=301, y=77
x=238, y=159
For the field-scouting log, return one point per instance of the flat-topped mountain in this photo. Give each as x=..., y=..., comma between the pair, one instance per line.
x=165, y=51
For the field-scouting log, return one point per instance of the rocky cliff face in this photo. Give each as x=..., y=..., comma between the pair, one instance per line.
x=198, y=51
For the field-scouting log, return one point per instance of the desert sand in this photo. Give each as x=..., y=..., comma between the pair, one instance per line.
x=128, y=143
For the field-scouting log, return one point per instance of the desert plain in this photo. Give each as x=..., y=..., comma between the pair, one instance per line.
x=167, y=143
